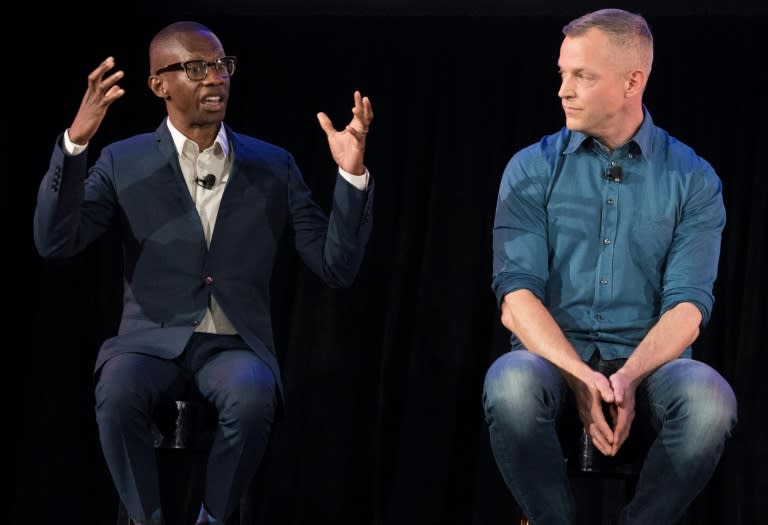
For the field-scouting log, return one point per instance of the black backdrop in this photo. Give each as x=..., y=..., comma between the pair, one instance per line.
x=383, y=381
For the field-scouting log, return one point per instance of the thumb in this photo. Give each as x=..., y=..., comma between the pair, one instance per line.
x=606, y=392
x=618, y=389
x=325, y=123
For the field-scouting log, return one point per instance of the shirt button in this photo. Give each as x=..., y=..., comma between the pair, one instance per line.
x=603, y=281
x=610, y=202
x=630, y=155
x=599, y=318
x=606, y=241
x=209, y=280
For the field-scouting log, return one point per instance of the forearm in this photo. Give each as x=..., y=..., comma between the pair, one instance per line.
x=523, y=314
x=675, y=330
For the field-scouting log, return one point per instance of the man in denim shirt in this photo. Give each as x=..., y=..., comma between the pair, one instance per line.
x=606, y=244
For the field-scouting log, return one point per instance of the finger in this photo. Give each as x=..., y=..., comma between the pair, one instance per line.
x=358, y=122
x=619, y=437
x=326, y=123
x=357, y=133
x=362, y=110
x=621, y=429
x=600, y=442
x=113, y=94
x=618, y=395
x=614, y=411
x=618, y=389
x=110, y=83
x=102, y=68
x=605, y=390
x=601, y=427
x=367, y=109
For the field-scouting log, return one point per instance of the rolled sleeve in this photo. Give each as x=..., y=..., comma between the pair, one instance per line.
x=693, y=258
x=520, y=227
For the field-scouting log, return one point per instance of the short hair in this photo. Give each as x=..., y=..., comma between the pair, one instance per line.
x=626, y=30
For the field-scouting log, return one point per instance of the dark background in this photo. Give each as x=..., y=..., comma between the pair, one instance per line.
x=384, y=421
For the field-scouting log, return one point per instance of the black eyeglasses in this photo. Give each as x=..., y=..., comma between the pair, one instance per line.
x=198, y=69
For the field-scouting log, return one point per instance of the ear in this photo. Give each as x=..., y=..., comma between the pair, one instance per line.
x=634, y=84
x=157, y=86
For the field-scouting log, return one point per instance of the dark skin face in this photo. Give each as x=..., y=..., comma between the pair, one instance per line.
x=196, y=108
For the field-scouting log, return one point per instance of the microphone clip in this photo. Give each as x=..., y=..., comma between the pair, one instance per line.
x=206, y=182
x=614, y=173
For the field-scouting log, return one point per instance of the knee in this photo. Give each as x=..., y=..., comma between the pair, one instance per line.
x=513, y=391
x=250, y=404
x=114, y=399
x=708, y=405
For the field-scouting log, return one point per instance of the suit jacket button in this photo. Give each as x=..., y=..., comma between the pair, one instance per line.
x=209, y=280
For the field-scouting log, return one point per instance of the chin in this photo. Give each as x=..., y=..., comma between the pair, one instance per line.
x=573, y=125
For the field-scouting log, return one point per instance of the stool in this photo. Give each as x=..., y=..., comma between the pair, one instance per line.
x=183, y=433
x=584, y=460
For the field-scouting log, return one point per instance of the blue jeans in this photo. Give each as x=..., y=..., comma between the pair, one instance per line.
x=689, y=407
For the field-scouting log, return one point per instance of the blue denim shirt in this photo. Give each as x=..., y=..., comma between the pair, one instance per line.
x=607, y=258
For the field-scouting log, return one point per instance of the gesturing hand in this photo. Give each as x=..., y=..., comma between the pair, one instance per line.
x=348, y=146
x=100, y=94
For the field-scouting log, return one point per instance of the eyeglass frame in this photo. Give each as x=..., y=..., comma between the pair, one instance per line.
x=182, y=66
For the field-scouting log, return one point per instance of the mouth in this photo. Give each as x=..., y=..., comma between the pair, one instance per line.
x=212, y=102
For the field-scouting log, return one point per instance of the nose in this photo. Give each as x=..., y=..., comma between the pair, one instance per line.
x=565, y=90
x=213, y=75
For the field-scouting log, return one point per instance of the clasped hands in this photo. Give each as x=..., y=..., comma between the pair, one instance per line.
x=617, y=394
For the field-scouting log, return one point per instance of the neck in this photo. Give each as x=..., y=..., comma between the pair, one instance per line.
x=203, y=134
x=628, y=124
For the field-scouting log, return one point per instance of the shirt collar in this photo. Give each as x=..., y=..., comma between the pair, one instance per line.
x=183, y=143
x=643, y=138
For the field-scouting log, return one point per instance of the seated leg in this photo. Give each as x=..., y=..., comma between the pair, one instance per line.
x=692, y=409
x=522, y=397
x=128, y=387
x=243, y=390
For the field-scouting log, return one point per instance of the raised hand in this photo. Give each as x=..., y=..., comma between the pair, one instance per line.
x=98, y=97
x=348, y=145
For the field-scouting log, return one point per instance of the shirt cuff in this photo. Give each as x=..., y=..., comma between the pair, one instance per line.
x=358, y=181
x=70, y=148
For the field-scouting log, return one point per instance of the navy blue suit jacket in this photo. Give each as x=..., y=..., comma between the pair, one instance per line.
x=169, y=270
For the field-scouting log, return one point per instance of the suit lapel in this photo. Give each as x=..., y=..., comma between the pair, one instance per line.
x=174, y=185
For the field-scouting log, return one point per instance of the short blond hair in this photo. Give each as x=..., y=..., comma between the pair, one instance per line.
x=627, y=31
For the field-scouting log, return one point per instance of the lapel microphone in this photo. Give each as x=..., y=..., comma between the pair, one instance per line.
x=613, y=174
x=206, y=182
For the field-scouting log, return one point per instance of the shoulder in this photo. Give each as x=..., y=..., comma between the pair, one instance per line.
x=681, y=161
x=143, y=140
x=247, y=146
x=676, y=154
x=542, y=156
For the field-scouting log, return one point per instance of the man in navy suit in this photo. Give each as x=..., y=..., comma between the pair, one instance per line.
x=201, y=210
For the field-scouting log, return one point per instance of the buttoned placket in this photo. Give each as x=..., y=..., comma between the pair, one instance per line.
x=604, y=274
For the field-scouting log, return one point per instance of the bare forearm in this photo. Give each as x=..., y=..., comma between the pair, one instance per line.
x=523, y=314
x=672, y=334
